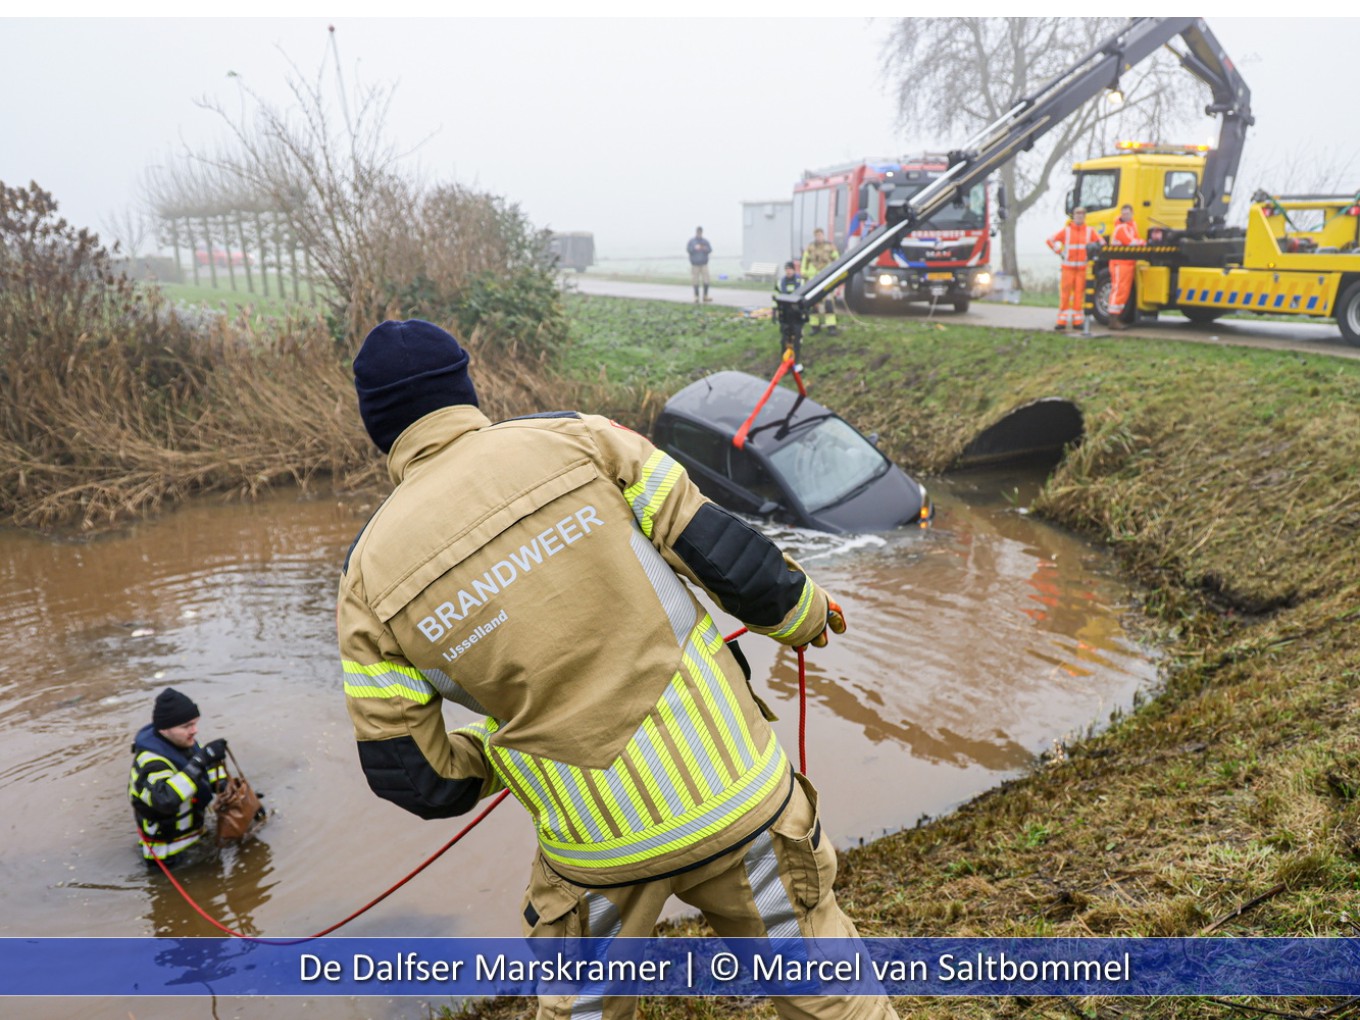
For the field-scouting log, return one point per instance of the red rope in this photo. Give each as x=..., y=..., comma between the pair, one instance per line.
x=802, y=712
x=326, y=931
x=802, y=767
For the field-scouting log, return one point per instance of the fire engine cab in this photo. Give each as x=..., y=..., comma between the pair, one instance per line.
x=944, y=261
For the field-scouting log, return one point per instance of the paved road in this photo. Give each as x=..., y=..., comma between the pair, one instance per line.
x=1306, y=336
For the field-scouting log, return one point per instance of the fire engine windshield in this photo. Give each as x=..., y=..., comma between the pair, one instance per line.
x=971, y=215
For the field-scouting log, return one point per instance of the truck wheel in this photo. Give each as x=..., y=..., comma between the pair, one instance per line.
x=1348, y=314
x=1101, y=309
x=1104, y=287
x=854, y=296
x=1201, y=316
x=961, y=304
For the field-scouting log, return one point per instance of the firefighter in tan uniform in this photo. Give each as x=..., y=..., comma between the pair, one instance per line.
x=816, y=257
x=534, y=571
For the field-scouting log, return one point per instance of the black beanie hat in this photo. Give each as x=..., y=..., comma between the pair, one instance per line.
x=172, y=709
x=405, y=370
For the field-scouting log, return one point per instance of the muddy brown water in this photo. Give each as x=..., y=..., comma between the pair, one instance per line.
x=973, y=647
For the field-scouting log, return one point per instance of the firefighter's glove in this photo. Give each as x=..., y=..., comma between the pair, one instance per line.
x=202, y=760
x=835, y=622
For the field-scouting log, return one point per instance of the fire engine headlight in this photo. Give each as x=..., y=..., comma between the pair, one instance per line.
x=984, y=279
x=886, y=280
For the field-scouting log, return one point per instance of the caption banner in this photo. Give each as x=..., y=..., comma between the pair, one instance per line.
x=681, y=966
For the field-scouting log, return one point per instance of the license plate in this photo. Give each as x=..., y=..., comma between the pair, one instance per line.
x=939, y=276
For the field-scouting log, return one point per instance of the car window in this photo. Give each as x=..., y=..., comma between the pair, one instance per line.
x=701, y=445
x=827, y=462
x=750, y=474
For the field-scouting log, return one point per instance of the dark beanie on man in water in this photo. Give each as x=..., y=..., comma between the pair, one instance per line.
x=173, y=709
x=405, y=370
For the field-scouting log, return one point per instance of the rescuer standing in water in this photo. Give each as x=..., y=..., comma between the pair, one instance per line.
x=173, y=779
x=1070, y=243
x=534, y=570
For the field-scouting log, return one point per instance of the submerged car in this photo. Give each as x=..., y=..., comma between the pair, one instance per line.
x=801, y=464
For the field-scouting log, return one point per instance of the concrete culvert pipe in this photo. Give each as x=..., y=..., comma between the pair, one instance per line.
x=1032, y=432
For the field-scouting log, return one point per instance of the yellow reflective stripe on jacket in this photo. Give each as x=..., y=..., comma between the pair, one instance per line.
x=693, y=755
x=699, y=823
x=717, y=695
x=481, y=732
x=800, y=613
x=139, y=785
x=164, y=850
x=182, y=785
x=387, y=680
x=649, y=492
x=186, y=819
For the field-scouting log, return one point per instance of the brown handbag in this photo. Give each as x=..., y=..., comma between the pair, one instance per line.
x=238, y=808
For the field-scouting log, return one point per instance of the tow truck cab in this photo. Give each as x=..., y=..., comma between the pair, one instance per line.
x=1160, y=182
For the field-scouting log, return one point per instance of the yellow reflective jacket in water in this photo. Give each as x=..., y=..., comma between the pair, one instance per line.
x=169, y=796
x=531, y=571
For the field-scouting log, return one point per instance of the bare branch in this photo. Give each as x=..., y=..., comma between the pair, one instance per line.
x=956, y=75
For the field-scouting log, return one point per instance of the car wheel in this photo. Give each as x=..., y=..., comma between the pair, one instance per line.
x=1348, y=314
x=961, y=304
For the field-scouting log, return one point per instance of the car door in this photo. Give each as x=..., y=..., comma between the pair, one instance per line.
x=703, y=453
x=708, y=457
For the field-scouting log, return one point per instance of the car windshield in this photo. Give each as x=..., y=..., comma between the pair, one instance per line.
x=827, y=462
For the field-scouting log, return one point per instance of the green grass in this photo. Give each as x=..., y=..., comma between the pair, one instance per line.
x=223, y=297
x=1227, y=480
x=683, y=280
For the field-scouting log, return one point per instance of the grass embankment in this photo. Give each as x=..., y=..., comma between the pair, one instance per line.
x=1228, y=480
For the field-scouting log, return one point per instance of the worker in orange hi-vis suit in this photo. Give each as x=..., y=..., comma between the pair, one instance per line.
x=1121, y=270
x=1071, y=243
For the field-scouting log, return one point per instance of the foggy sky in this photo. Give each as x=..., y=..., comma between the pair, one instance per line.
x=637, y=129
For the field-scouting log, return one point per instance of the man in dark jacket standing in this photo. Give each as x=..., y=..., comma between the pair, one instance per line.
x=535, y=571
x=173, y=779
x=699, y=250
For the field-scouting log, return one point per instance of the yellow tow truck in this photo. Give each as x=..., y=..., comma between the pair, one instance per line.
x=1299, y=254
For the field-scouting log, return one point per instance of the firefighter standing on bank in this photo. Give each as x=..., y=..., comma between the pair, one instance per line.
x=1071, y=244
x=534, y=571
x=1121, y=270
x=816, y=257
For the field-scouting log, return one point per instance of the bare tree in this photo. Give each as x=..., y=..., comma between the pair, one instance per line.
x=328, y=177
x=954, y=76
x=128, y=228
x=1331, y=171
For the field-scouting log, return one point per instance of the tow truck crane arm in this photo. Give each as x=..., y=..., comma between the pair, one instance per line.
x=1033, y=116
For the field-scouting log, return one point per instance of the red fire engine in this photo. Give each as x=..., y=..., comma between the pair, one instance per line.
x=944, y=261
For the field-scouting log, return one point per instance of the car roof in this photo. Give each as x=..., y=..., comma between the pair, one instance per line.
x=724, y=400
